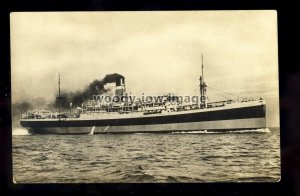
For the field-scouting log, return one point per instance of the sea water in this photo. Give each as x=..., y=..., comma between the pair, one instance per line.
x=246, y=156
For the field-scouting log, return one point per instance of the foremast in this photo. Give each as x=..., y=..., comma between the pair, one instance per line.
x=203, y=103
x=59, y=98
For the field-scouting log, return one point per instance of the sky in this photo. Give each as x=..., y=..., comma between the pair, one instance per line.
x=157, y=52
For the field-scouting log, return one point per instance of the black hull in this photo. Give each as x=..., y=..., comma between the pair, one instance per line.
x=252, y=117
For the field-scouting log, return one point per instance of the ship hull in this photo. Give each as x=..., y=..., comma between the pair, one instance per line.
x=218, y=120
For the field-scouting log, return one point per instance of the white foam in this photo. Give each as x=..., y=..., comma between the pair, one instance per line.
x=266, y=130
x=20, y=131
x=141, y=133
x=192, y=132
x=92, y=131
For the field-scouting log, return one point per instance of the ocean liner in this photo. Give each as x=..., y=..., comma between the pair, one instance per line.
x=167, y=113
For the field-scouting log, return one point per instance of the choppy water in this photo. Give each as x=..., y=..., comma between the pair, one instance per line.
x=188, y=157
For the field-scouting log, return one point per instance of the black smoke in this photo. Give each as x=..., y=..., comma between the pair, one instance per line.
x=76, y=98
x=19, y=108
x=109, y=78
x=94, y=88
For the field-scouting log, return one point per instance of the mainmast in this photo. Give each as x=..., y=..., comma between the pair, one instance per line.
x=202, y=88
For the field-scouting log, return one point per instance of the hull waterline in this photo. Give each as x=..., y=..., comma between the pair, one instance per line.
x=220, y=120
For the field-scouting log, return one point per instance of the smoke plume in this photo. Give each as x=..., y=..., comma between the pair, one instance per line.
x=76, y=98
x=109, y=78
x=21, y=107
x=94, y=88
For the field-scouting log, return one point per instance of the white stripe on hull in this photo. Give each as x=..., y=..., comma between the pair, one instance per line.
x=251, y=123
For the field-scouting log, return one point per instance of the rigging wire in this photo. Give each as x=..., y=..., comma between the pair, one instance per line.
x=254, y=95
x=230, y=93
x=225, y=92
x=196, y=90
x=218, y=94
